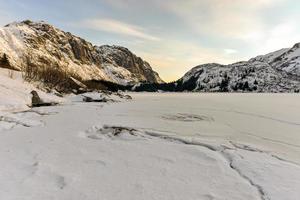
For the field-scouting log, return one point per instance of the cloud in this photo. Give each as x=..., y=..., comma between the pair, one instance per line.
x=283, y=35
x=118, y=27
x=193, y=32
x=223, y=18
x=230, y=51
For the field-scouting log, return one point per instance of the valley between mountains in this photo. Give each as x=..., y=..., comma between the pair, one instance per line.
x=38, y=49
x=86, y=122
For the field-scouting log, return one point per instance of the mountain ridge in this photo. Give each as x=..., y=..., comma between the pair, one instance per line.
x=62, y=60
x=278, y=71
x=38, y=46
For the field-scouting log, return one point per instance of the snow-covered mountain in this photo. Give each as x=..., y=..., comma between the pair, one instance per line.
x=275, y=72
x=122, y=57
x=39, y=49
x=34, y=47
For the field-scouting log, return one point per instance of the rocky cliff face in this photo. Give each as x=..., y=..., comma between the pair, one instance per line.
x=122, y=57
x=275, y=72
x=39, y=47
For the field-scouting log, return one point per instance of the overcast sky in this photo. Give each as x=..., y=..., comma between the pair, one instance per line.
x=172, y=35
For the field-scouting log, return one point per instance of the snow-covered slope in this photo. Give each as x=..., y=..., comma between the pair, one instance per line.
x=37, y=46
x=275, y=72
x=15, y=92
x=287, y=60
x=15, y=100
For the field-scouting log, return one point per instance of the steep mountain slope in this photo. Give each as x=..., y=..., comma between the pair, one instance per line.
x=34, y=47
x=287, y=60
x=122, y=57
x=275, y=72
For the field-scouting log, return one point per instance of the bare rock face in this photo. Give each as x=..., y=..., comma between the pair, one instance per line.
x=122, y=57
x=39, y=49
x=4, y=62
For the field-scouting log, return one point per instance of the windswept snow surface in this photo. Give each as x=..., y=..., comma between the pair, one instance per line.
x=157, y=146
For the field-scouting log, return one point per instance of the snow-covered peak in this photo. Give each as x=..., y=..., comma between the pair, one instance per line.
x=40, y=46
x=270, y=56
x=122, y=57
x=287, y=59
x=278, y=71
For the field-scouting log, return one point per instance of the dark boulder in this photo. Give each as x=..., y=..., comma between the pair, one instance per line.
x=36, y=101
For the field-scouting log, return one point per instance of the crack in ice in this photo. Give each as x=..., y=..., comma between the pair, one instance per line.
x=261, y=137
x=227, y=152
x=254, y=115
x=14, y=121
x=222, y=150
x=252, y=149
x=259, y=188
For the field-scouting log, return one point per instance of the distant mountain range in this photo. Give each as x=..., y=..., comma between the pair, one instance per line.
x=60, y=60
x=278, y=71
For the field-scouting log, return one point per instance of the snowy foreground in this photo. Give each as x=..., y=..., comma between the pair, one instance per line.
x=156, y=146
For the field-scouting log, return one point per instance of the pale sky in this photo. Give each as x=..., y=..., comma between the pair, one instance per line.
x=172, y=35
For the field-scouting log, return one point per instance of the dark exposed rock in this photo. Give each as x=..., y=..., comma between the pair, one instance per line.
x=5, y=63
x=36, y=101
x=124, y=96
x=90, y=99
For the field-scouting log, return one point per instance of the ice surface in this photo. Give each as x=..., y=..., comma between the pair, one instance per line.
x=157, y=146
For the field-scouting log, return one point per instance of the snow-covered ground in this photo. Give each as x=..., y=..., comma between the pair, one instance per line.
x=156, y=146
x=15, y=99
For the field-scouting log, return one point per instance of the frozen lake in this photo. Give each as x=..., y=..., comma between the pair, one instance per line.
x=270, y=120
x=157, y=146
